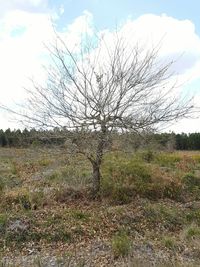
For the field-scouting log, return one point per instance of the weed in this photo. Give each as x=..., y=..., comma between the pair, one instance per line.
x=122, y=195
x=123, y=178
x=167, y=159
x=173, y=190
x=148, y=155
x=193, y=216
x=80, y=215
x=59, y=235
x=65, y=194
x=191, y=181
x=44, y=162
x=3, y=221
x=55, y=176
x=37, y=199
x=192, y=232
x=24, y=201
x=14, y=168
x=186, y=164
x=1, y=184
x=170, y=217
x=121, y=244
x=16, y=198
x=169, y=242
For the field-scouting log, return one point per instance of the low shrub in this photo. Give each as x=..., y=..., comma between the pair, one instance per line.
x=148, y=155
x=124, y=178
x=122, y=195
x=186, y=164
x=16, y=198
x=173, y=190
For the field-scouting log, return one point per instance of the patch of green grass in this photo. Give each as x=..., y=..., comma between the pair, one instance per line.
x=80, y=215
x=165, y=159
x=44, y=162
x=148, y=155
x=192, y=232
x=2, y=184
x=193, y=216
x=122, y=195
x=3, y=221
x=169, y=242
x=55, y=176
x=121, y=244
x=123, y=178
x=191, y=181
x=59, y=235
x=170, y=217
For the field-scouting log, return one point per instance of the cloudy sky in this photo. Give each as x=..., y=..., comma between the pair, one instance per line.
x=26, y=25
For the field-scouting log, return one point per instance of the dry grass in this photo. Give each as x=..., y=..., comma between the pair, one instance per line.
x=153, y=198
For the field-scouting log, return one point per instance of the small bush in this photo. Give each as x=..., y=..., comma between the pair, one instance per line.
x=65, y=194
x=38, y=199
x=172, y=190
x=19, y=198
x=122, y=170
x=151, y=191
x=121, y=245
x=122, y=195
x=123, y=178
x=148, y=155
x=186, y=164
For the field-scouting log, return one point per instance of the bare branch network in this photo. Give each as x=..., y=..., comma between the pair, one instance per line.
x=112, y=86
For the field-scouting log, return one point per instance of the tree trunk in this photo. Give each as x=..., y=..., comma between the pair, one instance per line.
x=96, y=163
x=96, y=178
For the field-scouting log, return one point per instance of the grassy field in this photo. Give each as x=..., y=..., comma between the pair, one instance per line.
x=148, y=213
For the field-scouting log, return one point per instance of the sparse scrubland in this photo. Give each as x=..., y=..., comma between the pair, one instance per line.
x=147, y=212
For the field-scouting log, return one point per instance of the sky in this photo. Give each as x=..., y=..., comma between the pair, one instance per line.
x=26, y=27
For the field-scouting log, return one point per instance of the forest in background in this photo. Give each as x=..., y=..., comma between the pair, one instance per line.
x=33, y=137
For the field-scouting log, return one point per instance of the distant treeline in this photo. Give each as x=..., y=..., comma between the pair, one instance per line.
x=181, y=141
x=25, y=138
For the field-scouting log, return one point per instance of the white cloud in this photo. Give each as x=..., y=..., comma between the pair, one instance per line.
x=23, y=34
x=24, y=5
x=177, y=38
x=22, y=50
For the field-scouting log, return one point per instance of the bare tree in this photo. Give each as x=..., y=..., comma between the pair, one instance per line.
x=94, y=91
